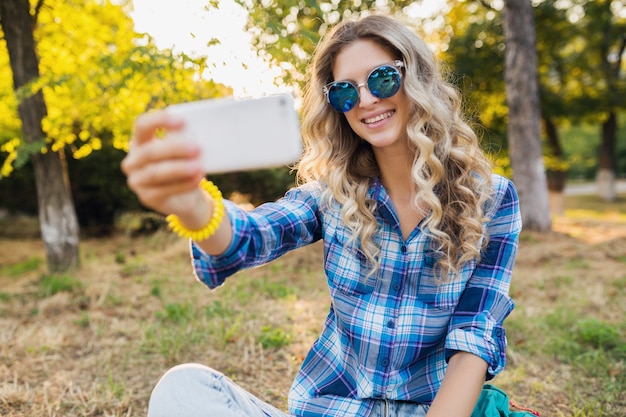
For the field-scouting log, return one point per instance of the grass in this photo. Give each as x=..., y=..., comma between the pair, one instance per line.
x=95, y=343
x=20, y=268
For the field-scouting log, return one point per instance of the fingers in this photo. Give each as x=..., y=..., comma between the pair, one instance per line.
x=161, y=172
x=158, y=157
x=170, y=198
x=165, y=172
x=162, y=154
x=148, y=124
x=145, y=130
x=161, y=184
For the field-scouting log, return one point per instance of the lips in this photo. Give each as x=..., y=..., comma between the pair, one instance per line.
x=378, y=118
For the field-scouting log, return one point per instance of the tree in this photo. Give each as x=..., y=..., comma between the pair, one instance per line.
x=558, y=46
x=606, y=36
x=57, y=216
x=475, y=52
x=523, y=129
x=287, y=31
x=81, y=75
x=574, y=89
x=291, y=30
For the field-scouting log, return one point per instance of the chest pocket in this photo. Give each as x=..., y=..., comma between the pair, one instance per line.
x=433, y=291
x=346, y=266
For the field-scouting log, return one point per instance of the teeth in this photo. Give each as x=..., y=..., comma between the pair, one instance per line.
x=378, y=118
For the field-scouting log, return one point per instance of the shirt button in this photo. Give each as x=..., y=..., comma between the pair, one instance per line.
x=396, y=287
x=499, y=332
x=385, y=362
x=403, y=249
x=391, y=324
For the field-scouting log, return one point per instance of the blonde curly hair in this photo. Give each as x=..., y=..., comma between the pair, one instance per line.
x=451, y=173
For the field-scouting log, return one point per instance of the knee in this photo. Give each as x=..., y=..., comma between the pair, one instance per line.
x=188, y=373
x=180, y=387
x=185, y=377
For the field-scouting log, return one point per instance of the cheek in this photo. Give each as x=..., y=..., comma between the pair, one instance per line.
x=353, y=121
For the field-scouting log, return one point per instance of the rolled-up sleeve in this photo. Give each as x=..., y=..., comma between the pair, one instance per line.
x=477, y=323
x=262, y=234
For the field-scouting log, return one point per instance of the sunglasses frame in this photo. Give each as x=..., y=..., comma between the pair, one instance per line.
x=397, y=64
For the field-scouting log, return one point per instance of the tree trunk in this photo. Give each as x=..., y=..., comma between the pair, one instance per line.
x=605, y=178
x=57, y=215
x=556, y=172
x=523, y=130
x=611, y=66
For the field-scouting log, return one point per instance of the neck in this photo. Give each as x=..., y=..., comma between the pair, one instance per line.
x=395, y=173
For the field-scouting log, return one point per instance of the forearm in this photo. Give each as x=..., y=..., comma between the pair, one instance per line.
x=219, y=242
x=460, y=388
x=199, y=215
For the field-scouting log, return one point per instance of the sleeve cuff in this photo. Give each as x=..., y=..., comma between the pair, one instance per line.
x=213, y=270
x=491, y=348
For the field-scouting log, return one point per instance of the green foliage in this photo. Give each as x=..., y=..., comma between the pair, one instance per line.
x=218, y=309
x=571, y=338
x=31, y=264
x=54, y=284
x=274, y=337
x=156, y=290
x=176, y=313
x=574, y=40
x=598, y=335
x=287, y=31
x=97, y=76
x=475, y=54
x=273, y=289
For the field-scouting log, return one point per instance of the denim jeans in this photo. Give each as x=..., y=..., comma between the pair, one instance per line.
x=193, y=390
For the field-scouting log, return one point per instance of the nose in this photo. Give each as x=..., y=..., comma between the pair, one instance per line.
x=366, y=98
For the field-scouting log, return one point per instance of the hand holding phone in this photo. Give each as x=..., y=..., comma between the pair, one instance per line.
x=241, y=134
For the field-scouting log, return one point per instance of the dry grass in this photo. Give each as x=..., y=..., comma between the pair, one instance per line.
x=94, y=344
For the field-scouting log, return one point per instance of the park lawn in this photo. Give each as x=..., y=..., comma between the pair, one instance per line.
x=94, y=343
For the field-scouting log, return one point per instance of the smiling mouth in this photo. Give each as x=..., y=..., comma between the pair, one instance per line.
x=378, y=118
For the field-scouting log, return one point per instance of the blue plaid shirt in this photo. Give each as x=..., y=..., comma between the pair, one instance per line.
x=388, y=336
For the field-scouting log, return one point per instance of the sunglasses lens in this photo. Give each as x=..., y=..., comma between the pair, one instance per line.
x=343, y=96
x=384, y=82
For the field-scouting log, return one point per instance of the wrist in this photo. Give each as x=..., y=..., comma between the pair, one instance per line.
x=205, y=216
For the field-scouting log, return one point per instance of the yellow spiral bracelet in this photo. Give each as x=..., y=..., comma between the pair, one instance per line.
x=173, y=222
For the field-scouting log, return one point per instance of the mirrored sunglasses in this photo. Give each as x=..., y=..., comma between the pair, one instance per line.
x=382, y=82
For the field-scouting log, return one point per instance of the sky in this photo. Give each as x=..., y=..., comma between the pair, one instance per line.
x=186, y=26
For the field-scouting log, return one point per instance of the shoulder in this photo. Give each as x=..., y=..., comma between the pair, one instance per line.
x=502, y=188
x=311, y=191
x=501, y=185
x=504, y=201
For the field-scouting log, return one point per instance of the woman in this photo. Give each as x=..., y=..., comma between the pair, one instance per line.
x=419, y=237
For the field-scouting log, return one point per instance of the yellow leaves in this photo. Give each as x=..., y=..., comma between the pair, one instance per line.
x=9, y=147
x=501, y=164
x=555, y=163
x=95, y=144
x=7, y=165
x=82, y=152
x=84, y=135
x=97, y=76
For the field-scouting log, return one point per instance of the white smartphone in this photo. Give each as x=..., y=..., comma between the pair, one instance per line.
x=241, y=134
